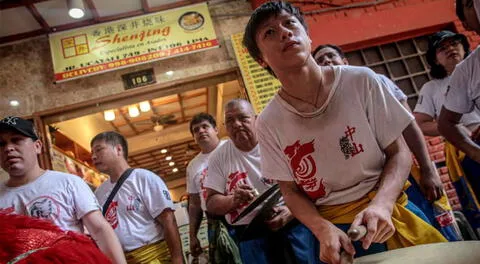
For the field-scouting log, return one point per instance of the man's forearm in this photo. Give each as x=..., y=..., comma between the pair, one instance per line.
x=219, y=204
x=302, y=207
x=108, y=242
x=429, y=128
x=195, y=215
x=172, y=236
x=416, y=143
x=395, y=173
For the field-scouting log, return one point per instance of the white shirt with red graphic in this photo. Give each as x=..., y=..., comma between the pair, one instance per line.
x=334, y=154
x=228, y=167
x=132, y=212
x=61, y=198
x=196, y=173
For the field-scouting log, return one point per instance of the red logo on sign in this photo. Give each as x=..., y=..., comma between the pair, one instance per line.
x=444, y=219
x=304, y=168
x=111, y=214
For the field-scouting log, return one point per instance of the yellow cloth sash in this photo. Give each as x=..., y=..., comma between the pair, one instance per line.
x=155, y=253
x=410, y=229
x=453, y=159
x=443, y=201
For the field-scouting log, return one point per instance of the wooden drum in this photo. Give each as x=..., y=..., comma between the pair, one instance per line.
x=462, y=252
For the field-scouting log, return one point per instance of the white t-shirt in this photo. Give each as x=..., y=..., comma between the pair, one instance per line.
x=335, y=154
x=393, y=88
x=228, y=167
x=464, y=87
x=132, y=212
x=196, y=173
x=59, y=197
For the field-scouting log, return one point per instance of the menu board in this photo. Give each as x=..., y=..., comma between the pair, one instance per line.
x=64, y=163
x=261, y=86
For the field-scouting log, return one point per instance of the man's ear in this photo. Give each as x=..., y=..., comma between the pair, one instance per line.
x=38, y=146
x=119, y=149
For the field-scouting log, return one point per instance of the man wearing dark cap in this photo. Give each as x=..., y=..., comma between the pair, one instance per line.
x=61, y=198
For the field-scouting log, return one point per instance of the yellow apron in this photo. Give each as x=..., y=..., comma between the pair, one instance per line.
x=410, y=229
x=155, y=253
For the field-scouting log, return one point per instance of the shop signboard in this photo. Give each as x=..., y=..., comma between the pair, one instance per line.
x=123, y=43
x=261, y=86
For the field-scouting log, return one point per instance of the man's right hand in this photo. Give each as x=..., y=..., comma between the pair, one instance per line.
x=332, y=240
x=243, y=194
x=195, y=247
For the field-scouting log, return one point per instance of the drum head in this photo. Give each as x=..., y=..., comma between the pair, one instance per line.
x=462, y=252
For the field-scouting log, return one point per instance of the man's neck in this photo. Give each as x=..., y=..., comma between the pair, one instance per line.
x=118, y=170
x=246, y=146
x=209, y=147
x=28, y=177
x=303, y=85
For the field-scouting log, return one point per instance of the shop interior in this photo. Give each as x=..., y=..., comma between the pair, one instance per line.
x=157, y=131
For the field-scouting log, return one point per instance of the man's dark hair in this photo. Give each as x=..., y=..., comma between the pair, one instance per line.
x=198, y=118
x=112, y=138
x=335, y=47
x=437, y=71
x=260, y=15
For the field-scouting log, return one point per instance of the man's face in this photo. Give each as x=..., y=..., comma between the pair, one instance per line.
x=283, y=42
x=204, y=133
x=328, y=56
x=105, y=156
x=471, y=19
x=18, y=153
x=450, y=52
x=240, y=124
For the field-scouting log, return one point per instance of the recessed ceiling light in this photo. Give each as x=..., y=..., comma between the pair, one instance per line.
x=168, y=158
x=76, y=9
x=14, y=103
x=109, y=115
x=133, y=111
x=163, y=151
x=169, y=73
x=144, y=106
x=171, y=163
x=175, y=170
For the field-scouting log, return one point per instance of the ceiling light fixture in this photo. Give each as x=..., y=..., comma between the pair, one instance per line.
x=144, y=106
x=163, y=151
x=14, y=103
x=175, y=170
x=133, y=111
x=76, y=9
x=109, y=115
x=168, y=158
x=169, y=73
x=171, y=163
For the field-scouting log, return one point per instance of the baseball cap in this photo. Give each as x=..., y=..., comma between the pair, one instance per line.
x=20, y=125
x=437, y=38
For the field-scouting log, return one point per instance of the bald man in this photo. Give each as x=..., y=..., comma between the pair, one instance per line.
x=234, y=179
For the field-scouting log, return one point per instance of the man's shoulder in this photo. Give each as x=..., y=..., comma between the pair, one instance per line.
x=59, y=177
x=220, y=151
x=432, y=86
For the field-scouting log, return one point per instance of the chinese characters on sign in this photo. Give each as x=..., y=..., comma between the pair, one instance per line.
x=260, y=85
x=127, y=42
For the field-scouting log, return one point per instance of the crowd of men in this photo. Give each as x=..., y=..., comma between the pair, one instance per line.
x=336, y=140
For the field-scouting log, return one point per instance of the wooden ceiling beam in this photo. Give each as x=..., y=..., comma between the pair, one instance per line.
x=93, y=10
x=175, y=5
x=145, y=7
x=20, y=36
x=129, y=123
x=34, y=12
x=6, y=4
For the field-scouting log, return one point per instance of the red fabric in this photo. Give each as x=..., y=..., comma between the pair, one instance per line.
x=21, y=234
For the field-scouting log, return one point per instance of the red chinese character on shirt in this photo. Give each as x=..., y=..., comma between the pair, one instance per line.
x=349, y=148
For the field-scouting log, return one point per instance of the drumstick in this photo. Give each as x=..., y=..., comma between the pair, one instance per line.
x=354, y=234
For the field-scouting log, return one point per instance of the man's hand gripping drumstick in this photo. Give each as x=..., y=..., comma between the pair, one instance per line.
x=355, y=234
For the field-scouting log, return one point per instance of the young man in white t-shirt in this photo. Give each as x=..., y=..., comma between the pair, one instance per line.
x=428, y=188
x=233, y=181
x=141, y=213
x=61, y=198
x=204, y=130
x=332, y=138
x=463, y=92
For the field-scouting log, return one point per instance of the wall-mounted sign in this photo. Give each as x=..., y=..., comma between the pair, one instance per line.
x=261, y=86
x=138, y=79
x=123, y=43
